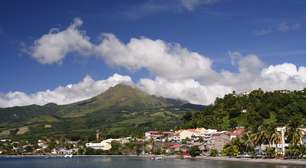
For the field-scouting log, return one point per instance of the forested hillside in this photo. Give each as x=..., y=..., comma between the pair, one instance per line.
x=251, y=110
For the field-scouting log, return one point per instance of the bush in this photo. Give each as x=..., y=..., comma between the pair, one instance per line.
x=295, y=152
x=213, y=153
x=116, y=148
x=230, y=150
x=194, y=151
x=270, y=152
x=90, y=151
x=184, y=141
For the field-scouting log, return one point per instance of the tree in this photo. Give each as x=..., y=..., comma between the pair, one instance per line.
x=270, y=152
x=187, y=117
x=295, y=151
x=267, y=135
x=90, y=151
x=275, y=137
x=116, y=148
x=293, y=132
x=139, y=148
x=184, y=141
x=51, y=144
x=247, y=142
x=28, y=148
x=259, y=138
x=194, y=151
x=230, y=150
x=213, y=152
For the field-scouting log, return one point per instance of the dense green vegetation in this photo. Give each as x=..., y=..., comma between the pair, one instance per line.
x=120, y=111
x=260, y=113
x=251, y=142
x=194, y=151
x=251, y=110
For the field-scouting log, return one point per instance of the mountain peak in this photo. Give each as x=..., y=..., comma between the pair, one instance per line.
x=122, y=90
x=121, y=97
x=123, y=87
x=124, y=95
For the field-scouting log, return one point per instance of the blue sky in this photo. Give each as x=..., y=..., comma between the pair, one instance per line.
x=273, y=30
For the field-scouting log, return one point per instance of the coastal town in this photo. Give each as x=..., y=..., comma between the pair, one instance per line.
x=182, y=143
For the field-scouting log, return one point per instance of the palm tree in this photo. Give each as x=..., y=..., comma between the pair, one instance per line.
x=275, y=137
x=294, y=136
x=266, y=135
x=247, y=141
x=259, y=138
x=294, y=133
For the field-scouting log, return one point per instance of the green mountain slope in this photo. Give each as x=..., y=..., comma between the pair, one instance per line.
x=253, y=110
x=120, y=111
x=116, y=99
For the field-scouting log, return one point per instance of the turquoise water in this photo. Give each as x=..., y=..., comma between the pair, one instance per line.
x=127, y=162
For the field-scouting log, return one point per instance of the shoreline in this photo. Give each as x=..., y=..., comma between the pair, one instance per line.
x=249, y=160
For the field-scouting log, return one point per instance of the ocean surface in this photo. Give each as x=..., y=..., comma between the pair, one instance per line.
x=128, y=162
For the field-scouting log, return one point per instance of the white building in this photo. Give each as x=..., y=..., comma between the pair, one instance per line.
x=283, y=144
x=160, y=136
x=42, y=144
x=99, y=146
x=106, y=144
x=205, y=134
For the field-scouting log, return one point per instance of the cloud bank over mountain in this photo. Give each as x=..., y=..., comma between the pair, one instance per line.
x=178, y=72
x=83, y=90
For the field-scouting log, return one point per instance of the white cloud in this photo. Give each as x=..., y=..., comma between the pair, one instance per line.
x=52, y=47
x=162, y=59
x=188, y=90
x=285, y=76
x=179, y=72
x=83, y=90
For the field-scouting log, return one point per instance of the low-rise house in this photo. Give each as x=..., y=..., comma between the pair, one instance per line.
x=237, y=133
x=190, y=133
x=218, y=141
x=208, y=134
x=160, y=136
x=175, y=147
x=303, y=141
x=175, y=137
x=99, y=146
x=123, y=140
x=106, y=144
x=153, y=135
x=64, y=151
x=73, y=143
x=42, y=144
x=172, y=148
x=5, y=140
x=283, y=144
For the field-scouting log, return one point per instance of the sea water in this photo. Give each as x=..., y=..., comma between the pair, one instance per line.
x=127, y=162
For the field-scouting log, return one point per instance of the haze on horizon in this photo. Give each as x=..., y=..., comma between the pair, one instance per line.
x=194, y=50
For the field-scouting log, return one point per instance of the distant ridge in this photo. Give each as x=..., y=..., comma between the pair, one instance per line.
x=121, y=110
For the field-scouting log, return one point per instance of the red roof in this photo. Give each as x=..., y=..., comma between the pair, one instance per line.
x=238, y=132
x=175, y=146
x=153, y=132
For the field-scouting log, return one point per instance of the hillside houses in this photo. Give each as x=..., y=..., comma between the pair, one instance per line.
x=205, y=139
